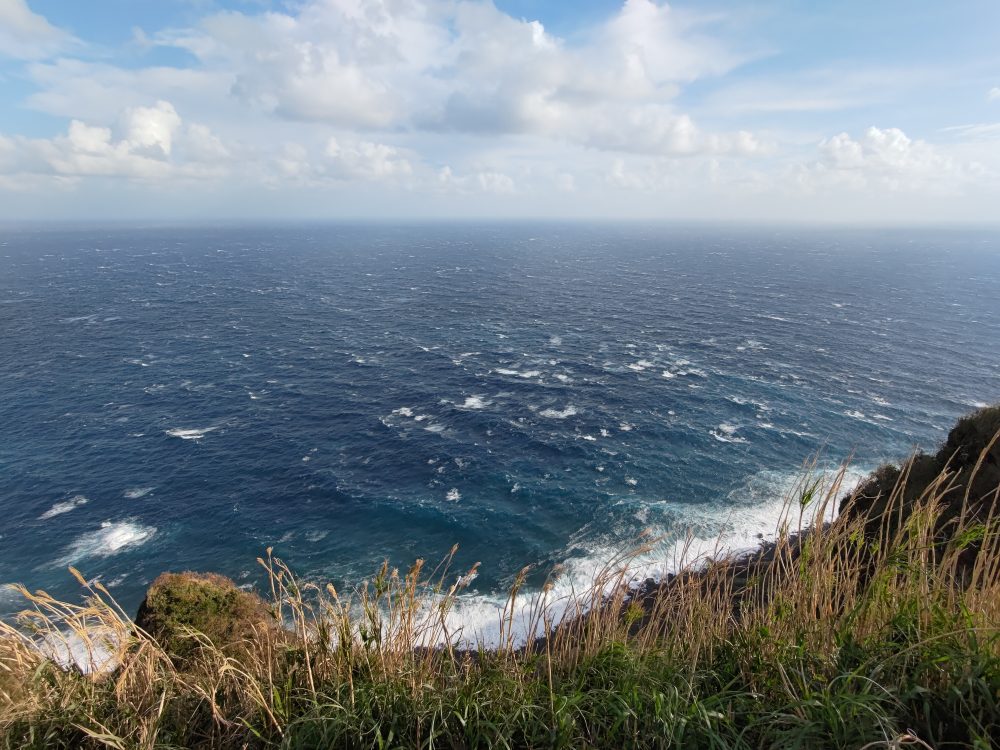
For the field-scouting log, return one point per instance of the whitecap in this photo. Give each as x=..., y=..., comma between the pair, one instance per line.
x=517, y=373
x=555, y=340
x=64, y=507
x=551, y=413
x=726, y=433
x=453, y=495
x=667, y=374
x=475, y=402
x=641, y=365
x=193, y=433
x=563, y=378
x=108, y=540
x=136, y=492
x=403, y=411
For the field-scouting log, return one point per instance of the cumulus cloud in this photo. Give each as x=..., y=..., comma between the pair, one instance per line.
x=144, y=145
x=342, y=160
x=994, y=94
x=481, y=181
x=887, y=159
x=468, y=67
x=657, y=130
x=456, y=98
x=152, y=129
x=26, y=35
x=365, y=160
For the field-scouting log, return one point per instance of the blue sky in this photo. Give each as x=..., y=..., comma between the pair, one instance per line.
x=880, y=112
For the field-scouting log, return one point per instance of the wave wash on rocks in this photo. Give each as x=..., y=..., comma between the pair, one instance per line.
x=878, y=628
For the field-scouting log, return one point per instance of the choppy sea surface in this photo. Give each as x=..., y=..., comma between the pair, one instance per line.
x=183, y=398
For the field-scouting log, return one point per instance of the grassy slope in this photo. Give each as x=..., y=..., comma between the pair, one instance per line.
x=877, y=630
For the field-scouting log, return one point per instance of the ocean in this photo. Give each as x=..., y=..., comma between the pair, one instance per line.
x=181, y=398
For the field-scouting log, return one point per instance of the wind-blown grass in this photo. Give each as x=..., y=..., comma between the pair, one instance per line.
x=865, y=631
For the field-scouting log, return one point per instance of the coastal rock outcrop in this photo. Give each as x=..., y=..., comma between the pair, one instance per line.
x=972, y=455
x=179, y=604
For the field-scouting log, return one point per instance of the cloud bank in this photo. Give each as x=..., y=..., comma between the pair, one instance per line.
x=431, y=104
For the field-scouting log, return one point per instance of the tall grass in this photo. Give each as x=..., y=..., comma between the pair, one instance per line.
x=853, y=632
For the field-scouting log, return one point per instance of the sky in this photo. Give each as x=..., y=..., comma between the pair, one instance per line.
x=779, y=110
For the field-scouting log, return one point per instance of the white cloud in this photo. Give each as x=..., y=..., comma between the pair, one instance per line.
x=994, y=94
x=887, y=160
x=980, y=131
x=203, y=145
x=365, y=160
x=495, y=182
x=342, y=160
x=823, y=89
x=482, y=181
x=26, y=35
x=152, y=129
x=467, y=67
x=147, y=139
x=611, y=92
x=342, y=62
x=98, y=91
x=466, y=109
x=657, y=130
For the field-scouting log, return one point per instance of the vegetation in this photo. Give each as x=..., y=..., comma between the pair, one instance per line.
x=876, y=630
x=179, y=604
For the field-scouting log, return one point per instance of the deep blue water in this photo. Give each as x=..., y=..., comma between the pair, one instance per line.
x=182, y=398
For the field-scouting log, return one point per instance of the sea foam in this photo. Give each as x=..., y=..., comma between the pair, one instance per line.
x=751, y=513
x=551, y=413
x=109, y=539
x=475, y=402
x=726, y=433
x=64, y=507
x=192, y=433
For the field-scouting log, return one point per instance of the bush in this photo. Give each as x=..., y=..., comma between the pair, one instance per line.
x=180, y=604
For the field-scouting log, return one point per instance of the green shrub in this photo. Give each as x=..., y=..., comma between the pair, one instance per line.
x=177, y=605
